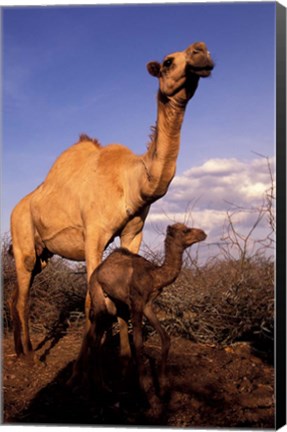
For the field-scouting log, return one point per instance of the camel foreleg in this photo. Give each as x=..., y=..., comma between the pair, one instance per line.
x=132, y=242
x=136, y=318
x=95, y=246
x=165, y=344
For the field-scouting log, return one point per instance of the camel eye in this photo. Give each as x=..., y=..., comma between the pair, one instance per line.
x=186, y=231
x=167, y=63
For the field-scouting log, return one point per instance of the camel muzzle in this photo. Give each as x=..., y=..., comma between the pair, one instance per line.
x=198, y=235
x=199, y=59
x=202, y=71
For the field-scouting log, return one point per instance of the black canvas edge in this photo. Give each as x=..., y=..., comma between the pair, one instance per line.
x=280, y=296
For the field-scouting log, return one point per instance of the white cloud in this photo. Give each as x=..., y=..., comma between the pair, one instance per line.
x=218, y=181
x=216, y=167
x=202, y=195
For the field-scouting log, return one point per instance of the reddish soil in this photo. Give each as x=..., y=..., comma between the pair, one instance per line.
x=209, y=386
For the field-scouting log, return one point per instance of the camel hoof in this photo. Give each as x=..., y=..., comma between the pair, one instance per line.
x=145, y=384
x=30, y=359
x=156, y=408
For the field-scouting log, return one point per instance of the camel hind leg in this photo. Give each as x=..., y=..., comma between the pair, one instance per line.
x=27, y=265
x=20, y=313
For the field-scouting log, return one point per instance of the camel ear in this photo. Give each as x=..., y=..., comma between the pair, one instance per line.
x=153, y=68
x=170, y=231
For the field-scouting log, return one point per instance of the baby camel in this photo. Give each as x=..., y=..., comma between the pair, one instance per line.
x=131, y=284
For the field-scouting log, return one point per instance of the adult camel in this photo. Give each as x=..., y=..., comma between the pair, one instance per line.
x=93, y=194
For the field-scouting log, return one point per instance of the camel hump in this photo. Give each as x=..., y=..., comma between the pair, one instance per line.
x=85, y=137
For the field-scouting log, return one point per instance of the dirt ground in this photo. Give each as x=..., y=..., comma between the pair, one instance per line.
x=209, y=386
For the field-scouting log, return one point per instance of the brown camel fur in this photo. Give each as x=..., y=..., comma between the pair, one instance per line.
x=93, y=194
x=131, y=284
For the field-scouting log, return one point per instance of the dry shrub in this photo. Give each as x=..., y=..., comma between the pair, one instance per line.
x=231, y=297
x=221, y=303
x=57, y=295
x=8, y=281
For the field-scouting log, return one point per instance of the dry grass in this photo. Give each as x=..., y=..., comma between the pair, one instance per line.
x=57, y=295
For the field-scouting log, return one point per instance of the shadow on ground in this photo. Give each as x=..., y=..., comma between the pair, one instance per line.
x=57, y=404
x=125, y=404
x=208, y=387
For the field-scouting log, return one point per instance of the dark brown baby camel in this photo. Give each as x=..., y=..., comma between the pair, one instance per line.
x=131, y=284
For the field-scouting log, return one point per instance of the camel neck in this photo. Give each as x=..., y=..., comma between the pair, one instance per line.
x=170, y=269
x=160, y=158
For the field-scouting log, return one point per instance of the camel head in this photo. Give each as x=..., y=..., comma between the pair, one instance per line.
x=179, y=72
x=185, y=236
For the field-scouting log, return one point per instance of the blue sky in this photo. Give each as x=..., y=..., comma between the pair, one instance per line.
x=68, y=70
